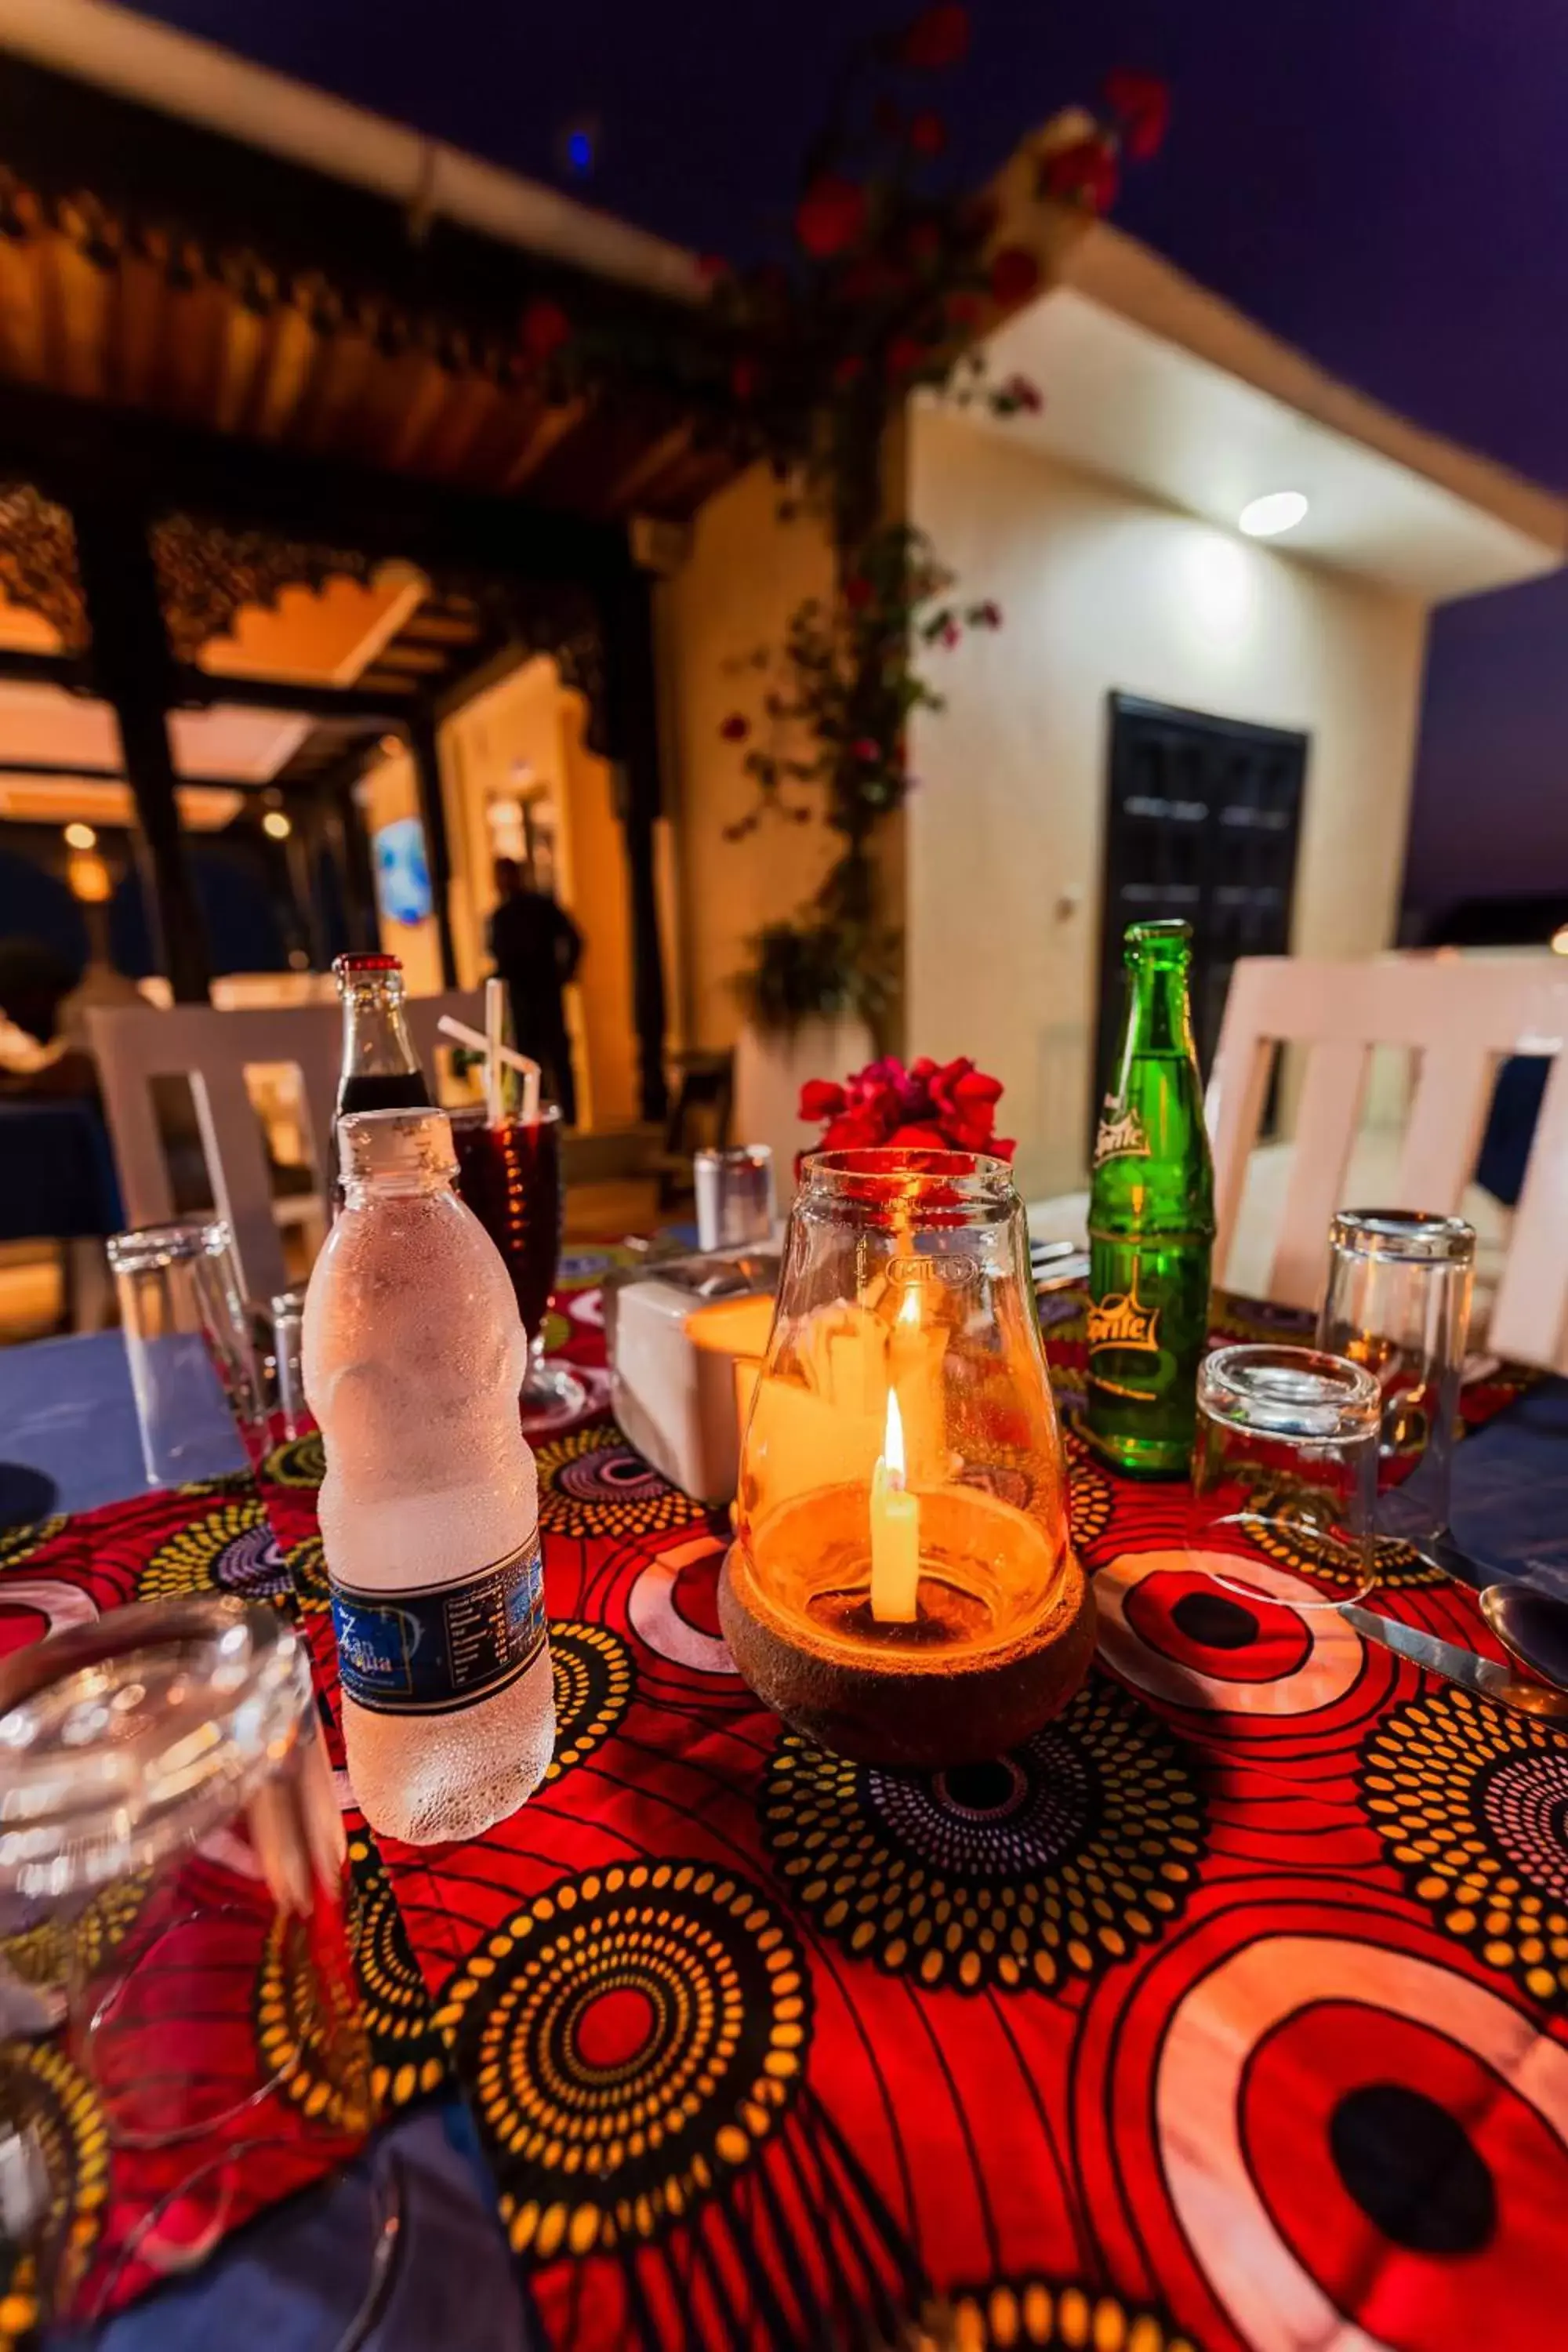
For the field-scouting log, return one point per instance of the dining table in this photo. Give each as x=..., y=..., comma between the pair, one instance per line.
x=1225, y=2015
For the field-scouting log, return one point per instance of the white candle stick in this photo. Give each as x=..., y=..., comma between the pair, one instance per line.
x=895, y=1531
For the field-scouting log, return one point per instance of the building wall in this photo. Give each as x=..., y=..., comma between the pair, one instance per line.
x=745, y=573
x=1102, y=589
x=529, y=723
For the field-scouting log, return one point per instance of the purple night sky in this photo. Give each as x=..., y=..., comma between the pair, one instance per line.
x=1384, y=183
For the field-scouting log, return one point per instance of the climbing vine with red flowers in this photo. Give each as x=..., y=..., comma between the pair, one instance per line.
x=887, y=279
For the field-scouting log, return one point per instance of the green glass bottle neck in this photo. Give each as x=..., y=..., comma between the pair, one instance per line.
x=1158, y=1020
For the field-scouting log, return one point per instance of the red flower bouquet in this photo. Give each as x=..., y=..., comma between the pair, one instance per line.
x=930, y=1105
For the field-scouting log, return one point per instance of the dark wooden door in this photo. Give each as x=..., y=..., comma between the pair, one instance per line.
x=1202, y=817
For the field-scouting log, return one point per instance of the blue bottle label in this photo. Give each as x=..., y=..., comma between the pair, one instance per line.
x=433, y=1648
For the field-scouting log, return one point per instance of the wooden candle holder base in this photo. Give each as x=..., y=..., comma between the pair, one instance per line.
x=923, y=1712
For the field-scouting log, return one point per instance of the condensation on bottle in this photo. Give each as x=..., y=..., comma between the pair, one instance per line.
x=412, y=1356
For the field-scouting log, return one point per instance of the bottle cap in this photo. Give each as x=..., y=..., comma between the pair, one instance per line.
x=397, y=1146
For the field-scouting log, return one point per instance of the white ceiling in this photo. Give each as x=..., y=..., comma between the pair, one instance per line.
x=1133, y=405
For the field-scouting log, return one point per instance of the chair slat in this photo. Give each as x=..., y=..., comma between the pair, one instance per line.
x=1443, y=1138
x=1325, y=1129
x=1530, y=1319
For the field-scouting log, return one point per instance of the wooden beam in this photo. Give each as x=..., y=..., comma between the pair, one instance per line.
x=69, y=672
x=131, y=671
x=194, y=688
x=74, y=450
x=424, y=744
x=633, y=720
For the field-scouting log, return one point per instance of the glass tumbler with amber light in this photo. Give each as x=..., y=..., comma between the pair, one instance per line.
x=903, y=1586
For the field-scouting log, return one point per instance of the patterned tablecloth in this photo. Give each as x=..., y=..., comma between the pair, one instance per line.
x=1227, y=2012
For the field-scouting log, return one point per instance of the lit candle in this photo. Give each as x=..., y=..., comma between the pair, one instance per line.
x=895, y=1531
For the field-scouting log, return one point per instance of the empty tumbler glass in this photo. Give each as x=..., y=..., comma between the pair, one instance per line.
x=173, y=1883
x=1284, y=1471
x=1398, y=1301
x=193, y=1367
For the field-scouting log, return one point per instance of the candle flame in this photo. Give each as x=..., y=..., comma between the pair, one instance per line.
x=893, y=1442
x=909, y=1307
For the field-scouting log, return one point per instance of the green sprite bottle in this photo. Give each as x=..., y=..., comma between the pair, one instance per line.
x=1151, y=1220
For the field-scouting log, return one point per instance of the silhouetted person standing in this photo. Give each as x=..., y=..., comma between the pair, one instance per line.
x=537, y=949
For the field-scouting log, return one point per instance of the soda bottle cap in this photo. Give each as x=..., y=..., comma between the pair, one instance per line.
x=397, y=1146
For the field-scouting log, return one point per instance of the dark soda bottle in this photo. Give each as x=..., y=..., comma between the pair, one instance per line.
x=381, y=1069
x=1151, y=1220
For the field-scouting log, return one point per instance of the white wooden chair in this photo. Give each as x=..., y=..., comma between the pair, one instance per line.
x=1461, y=1017
x=214, y=1050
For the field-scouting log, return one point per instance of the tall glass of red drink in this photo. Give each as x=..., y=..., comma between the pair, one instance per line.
x=509, y=1176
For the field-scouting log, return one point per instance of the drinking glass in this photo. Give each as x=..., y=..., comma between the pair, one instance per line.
x=509, y=1176
x=1398, y=1301
x=172, y=1876
x=735, y=1197
x=1285, y=1470
x=286, y=1313
x=193, y=1367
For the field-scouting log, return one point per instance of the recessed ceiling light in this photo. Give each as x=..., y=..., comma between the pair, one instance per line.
x=81, y=836
x=276, y=824
x=1560, y=940
x=1266, y=518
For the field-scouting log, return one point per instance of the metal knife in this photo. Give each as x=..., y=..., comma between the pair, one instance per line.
x=1456, y=1664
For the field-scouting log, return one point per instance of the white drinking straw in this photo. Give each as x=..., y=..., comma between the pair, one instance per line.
x=495, y=1022
x=461, y=1034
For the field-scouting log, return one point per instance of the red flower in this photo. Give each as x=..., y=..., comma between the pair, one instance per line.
x=1015, y=274
x=927, y=131
x=1082, y=174
x=711, y=267
x=949, y=634
x=745, y=378
x=904, y=354
x=849, y=371
x=925, y=1108
x=938, y=37
x=544, y=327
x=1143, y=102
x=830, y=216
x=987, y=615
x=857, y=591
x=736, y=727
x=867, y=748
x=965, y=310
x=1024, y=394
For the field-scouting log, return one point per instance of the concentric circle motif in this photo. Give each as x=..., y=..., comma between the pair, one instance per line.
x=231, y=1550
x=1051, y=1862
x=298, y=1461
x=1046, y=2315
x=1091, y=1497
x=306, y=1562
x=1170, y=1626
x=48, y=1954
x=44, y=2098
x=1284, y=1529
x=406, y=2050
x=310, y=2034
x=592, y=1483
x=594, y=1678
x=1364, y=2148
x=633, y=2036
x=17, y=1544
x=1471, y=1802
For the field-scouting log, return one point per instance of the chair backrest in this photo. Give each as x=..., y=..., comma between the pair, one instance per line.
x=1461, y=1016
x=213, y=1049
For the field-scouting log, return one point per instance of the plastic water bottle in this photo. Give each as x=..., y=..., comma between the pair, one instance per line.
x=413, y=1355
